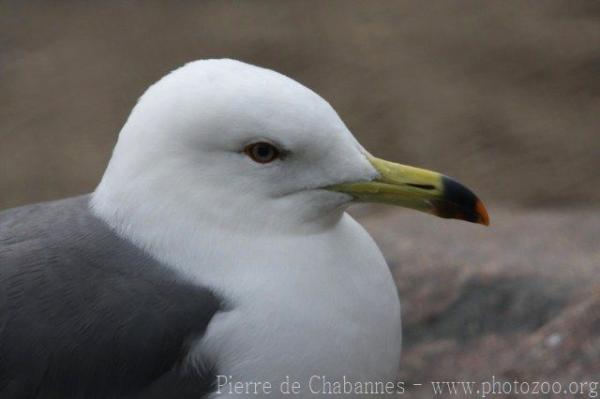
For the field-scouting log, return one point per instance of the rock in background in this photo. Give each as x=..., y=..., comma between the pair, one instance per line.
x=519, y=300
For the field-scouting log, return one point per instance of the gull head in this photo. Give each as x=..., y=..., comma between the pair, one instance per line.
x=246, y=148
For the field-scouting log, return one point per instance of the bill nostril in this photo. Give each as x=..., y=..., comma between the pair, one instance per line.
x=422, y=186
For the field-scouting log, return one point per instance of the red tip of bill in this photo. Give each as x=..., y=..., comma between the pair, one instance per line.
x=482, y=212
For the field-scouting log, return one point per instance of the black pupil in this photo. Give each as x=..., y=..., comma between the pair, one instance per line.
x=263, y=151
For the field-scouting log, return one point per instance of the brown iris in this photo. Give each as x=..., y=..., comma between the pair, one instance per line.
x=262, y=152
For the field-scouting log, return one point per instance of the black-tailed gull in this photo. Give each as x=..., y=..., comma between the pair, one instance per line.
x=216, y=250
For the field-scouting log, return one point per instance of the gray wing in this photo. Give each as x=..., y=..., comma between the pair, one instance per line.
x=85, y=314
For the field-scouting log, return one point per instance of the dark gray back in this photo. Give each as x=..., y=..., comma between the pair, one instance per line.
x=85, y=314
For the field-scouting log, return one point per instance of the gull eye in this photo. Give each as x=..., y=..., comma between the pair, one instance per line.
x=262, y=152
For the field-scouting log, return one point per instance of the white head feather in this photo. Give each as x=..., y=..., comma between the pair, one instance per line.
x=180, y=154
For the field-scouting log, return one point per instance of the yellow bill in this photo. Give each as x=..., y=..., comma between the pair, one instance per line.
x=418, y=189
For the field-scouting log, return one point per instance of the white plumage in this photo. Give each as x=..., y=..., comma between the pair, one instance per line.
x=308, y=291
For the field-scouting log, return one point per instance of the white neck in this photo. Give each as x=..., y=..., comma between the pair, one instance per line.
x=291, y=285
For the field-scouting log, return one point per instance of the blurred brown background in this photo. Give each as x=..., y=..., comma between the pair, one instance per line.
x=504, y=95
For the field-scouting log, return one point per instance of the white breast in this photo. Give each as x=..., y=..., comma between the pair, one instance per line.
x=318, y=305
